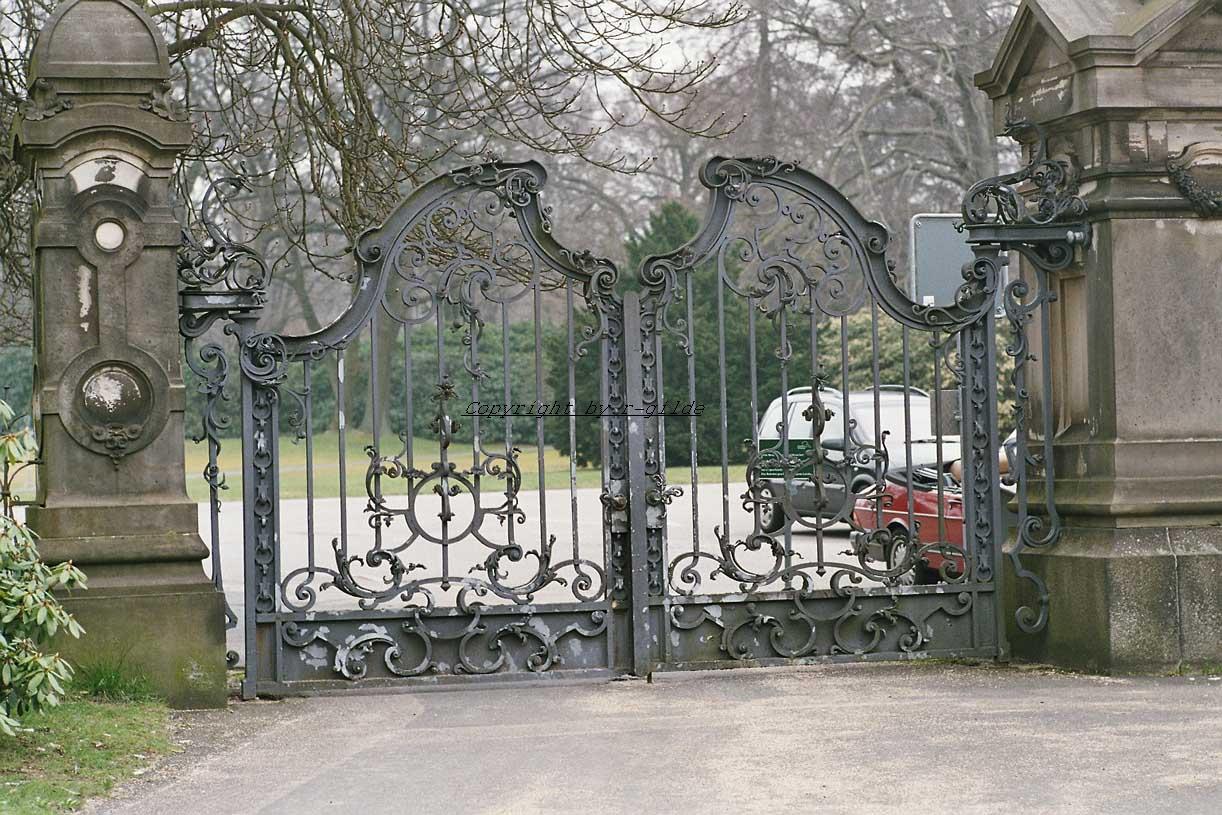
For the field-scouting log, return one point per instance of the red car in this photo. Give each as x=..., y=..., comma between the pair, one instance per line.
x=894, y=504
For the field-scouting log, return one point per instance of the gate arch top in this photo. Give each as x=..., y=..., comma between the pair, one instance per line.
x=807, y=209
x=802, y=198
x=468, y=198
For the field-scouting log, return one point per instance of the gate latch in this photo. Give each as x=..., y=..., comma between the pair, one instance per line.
x=615, y=499
x=656, y=501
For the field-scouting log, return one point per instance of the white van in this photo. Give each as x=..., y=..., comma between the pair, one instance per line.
x=860, y=471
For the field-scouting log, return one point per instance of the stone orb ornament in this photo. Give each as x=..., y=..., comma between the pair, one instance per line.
x=113, y=394
x=114, y=405
x=115, y=402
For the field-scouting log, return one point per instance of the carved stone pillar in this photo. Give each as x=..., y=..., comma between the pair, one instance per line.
x=100, y=135
x=1128, y=92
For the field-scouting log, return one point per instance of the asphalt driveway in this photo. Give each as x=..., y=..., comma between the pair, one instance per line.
x=890, y=738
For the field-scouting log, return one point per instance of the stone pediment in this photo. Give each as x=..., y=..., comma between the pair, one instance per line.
x=95, y=54
x=99, y=39
x=1084, y=33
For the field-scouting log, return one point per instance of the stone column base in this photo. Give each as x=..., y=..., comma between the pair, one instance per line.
x=174, y=636
x=1124, y=601
x=148, y=607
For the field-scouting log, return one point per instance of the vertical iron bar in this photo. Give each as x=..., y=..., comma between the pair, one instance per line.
x=476, y=442
x=375, y=409
x=913, y=536
x=507, y=388
x=443, y=435
x=540, y=413
x=876, y=377
x=939, y=358
x=309, y=465
x=250, y=524
x=1049, y=428
x=409, y=413
x=638, y=486
x=341, y=419
x=982, y=485
x=611, y=470
x=790, y=477
x=691, y=394
x=755, y=407
x=816, y=446
x=844, y=389
x=572, y=411
x=213, y=440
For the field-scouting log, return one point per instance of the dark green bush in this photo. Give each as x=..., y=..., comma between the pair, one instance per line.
x=30, y=678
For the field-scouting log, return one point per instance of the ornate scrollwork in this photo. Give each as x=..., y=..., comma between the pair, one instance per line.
x=477, y=242
x=219, y=278
x=516, y=185
x=1040, y=529
x=483, y=644
x=1053, y=197
x=264, y=358
x=472, y=250
x=445, y=481
x=797, y=252
x=846, y=622
x=218, y=259
x=116, y=438
x=980, y=463
x=1037, y=212
x=735, y=177
x=261, y=466
x=211, y=366
x=660, y=494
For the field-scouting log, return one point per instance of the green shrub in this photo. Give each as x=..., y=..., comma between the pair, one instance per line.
x=29, y=614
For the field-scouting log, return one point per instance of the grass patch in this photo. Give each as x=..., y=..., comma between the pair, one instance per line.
x=325, y=460
x=111, y=680
x=293, y=481
x=78, y=750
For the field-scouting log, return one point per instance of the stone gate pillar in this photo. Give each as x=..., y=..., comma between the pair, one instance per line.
x=100, y=136
x=1130, y=92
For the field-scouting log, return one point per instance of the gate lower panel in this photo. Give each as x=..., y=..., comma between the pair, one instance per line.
x=787, y=628
x=328, y=651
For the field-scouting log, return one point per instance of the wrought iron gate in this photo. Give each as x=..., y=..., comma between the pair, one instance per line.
x=747, y=446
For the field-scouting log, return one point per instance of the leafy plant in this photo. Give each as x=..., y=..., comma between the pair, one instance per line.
x=29, y=613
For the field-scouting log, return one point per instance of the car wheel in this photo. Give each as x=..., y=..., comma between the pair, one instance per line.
x=897, y=552
x=772, y=516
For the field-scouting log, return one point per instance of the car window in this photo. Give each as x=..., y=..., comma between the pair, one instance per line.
x=801, y=427
x=768, y=424
x=892, y=420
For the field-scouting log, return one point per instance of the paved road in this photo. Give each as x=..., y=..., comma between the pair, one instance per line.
x=834, y=739
x=570, y=517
